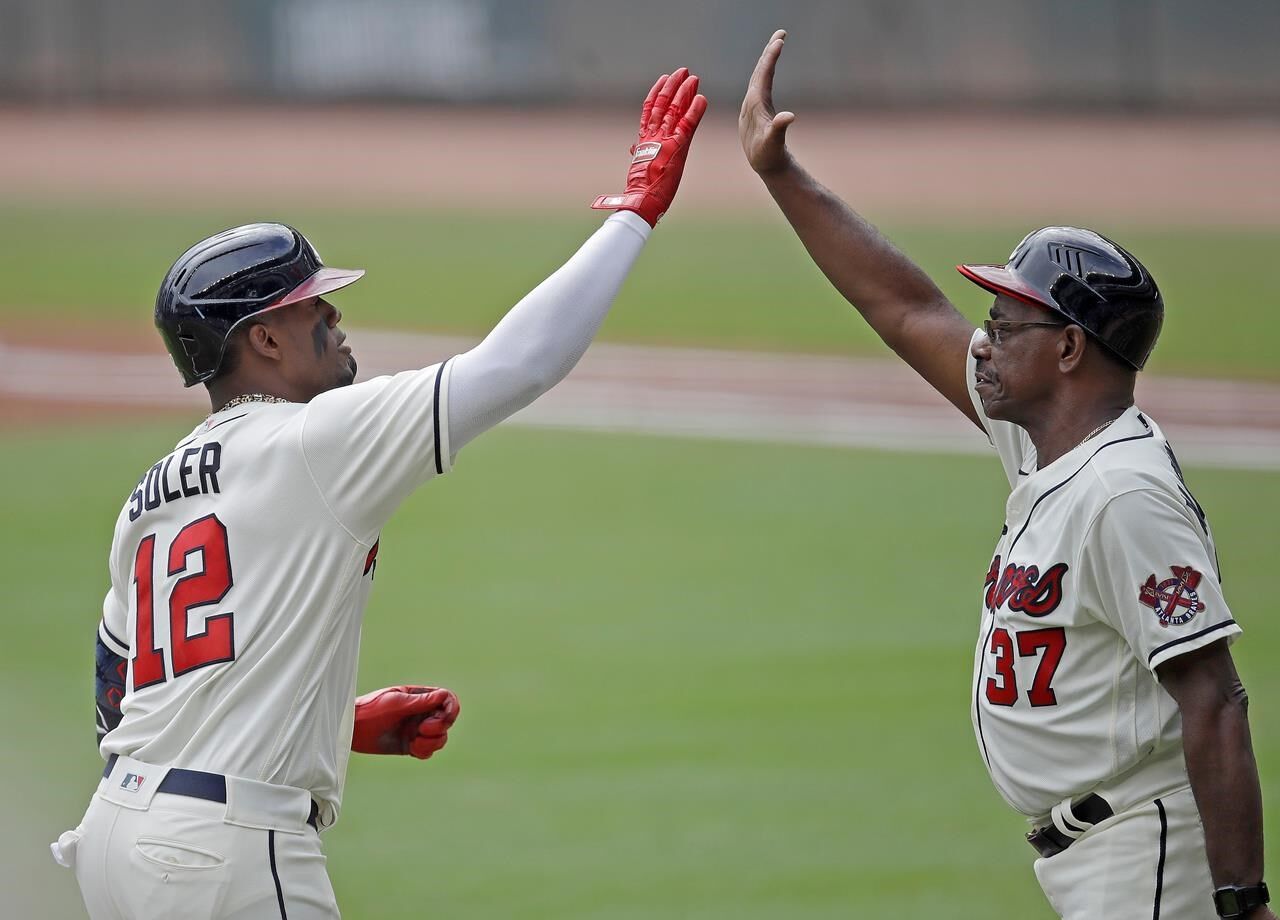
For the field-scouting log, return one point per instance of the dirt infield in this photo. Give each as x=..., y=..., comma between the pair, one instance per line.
x=932, y=168
x=685, y=392
x=906, y=166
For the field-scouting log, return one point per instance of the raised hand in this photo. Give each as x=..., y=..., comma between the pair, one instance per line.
x=668, y=118
x=763, y=131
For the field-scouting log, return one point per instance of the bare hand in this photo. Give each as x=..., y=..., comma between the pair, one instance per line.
x=763, y=131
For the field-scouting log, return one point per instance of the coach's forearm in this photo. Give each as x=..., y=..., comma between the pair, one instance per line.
x=543, y=336
x=1224, y=779
x=869, y=271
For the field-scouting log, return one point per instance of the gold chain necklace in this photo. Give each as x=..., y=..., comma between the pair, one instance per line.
x=1097, y=431
x=248, y=398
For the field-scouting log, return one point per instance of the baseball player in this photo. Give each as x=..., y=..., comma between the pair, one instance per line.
x=243, y=559
x=1104, y=700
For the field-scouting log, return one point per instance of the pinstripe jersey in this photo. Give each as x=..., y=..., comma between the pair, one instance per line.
x=240, y=570
x=1105, y=568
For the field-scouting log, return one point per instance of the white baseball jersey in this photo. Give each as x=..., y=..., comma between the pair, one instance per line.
x=240, y=569
x=1105, y=568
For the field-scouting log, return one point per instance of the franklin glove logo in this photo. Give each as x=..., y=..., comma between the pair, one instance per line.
x=646, y=152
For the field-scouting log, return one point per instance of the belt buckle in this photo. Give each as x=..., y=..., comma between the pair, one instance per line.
x=1044, y=840
x=1081, y=816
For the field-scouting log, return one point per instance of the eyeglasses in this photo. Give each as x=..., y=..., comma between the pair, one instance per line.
x=998, y=329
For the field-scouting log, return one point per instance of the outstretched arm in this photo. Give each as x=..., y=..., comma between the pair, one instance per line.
x=892, y=293
x=543, y=336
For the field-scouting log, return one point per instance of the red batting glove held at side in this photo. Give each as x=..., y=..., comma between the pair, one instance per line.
x=404, y=720
x=668, y=119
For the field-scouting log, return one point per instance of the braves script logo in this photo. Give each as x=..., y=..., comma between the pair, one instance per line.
x=646, y=152
x=1024, y=589
x=1174, y=600
x=132, y=782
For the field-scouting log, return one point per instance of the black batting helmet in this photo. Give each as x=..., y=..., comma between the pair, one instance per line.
x=223, y=280
x=1089, y=280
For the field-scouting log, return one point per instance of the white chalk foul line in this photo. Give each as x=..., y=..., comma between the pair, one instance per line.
x=702, y=393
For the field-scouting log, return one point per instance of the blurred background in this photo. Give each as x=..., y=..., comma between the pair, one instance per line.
x=1129, y=54
x=710, y=604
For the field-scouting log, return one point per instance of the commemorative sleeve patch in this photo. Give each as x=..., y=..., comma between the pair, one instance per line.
x=1174, y=600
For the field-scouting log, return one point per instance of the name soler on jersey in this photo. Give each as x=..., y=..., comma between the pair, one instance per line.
x=194, y=471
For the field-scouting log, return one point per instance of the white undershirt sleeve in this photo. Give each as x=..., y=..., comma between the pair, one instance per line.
x=540, y=340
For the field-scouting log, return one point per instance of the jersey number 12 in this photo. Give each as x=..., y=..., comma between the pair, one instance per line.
x=206, y=586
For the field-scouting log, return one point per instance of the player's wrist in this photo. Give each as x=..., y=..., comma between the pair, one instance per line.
x=632, y=221
x=1242, y=902
x=781, y=170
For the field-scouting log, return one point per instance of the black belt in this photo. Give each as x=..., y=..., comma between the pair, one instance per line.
x=1049, y=841
x=195, y=784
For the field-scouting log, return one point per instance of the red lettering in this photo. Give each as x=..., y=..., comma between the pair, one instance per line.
x=1042, y=596
x=1024, y=589
x=199, y=589
x=148, y=661
x=993, y=575
x=1005, y=691
x=209, y=585
x=1053, y=641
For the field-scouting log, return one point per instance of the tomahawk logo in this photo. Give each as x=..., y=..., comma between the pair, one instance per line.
x=1174, y=600
x=132, y=782
x=645, y=152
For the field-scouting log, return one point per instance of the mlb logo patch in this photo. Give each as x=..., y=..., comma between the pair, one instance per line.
x=132, y=782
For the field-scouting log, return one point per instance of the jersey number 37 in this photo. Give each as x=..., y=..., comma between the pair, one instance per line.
x=1048, y=644
x=208, y=585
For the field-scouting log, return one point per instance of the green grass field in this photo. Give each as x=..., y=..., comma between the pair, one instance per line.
x=698, y=679
x=746, y=283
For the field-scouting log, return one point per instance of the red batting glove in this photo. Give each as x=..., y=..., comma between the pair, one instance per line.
x=404, y=720
x=668, y=119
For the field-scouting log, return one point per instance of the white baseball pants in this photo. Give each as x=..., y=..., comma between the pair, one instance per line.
x=139, y=855
x=1148, y=861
